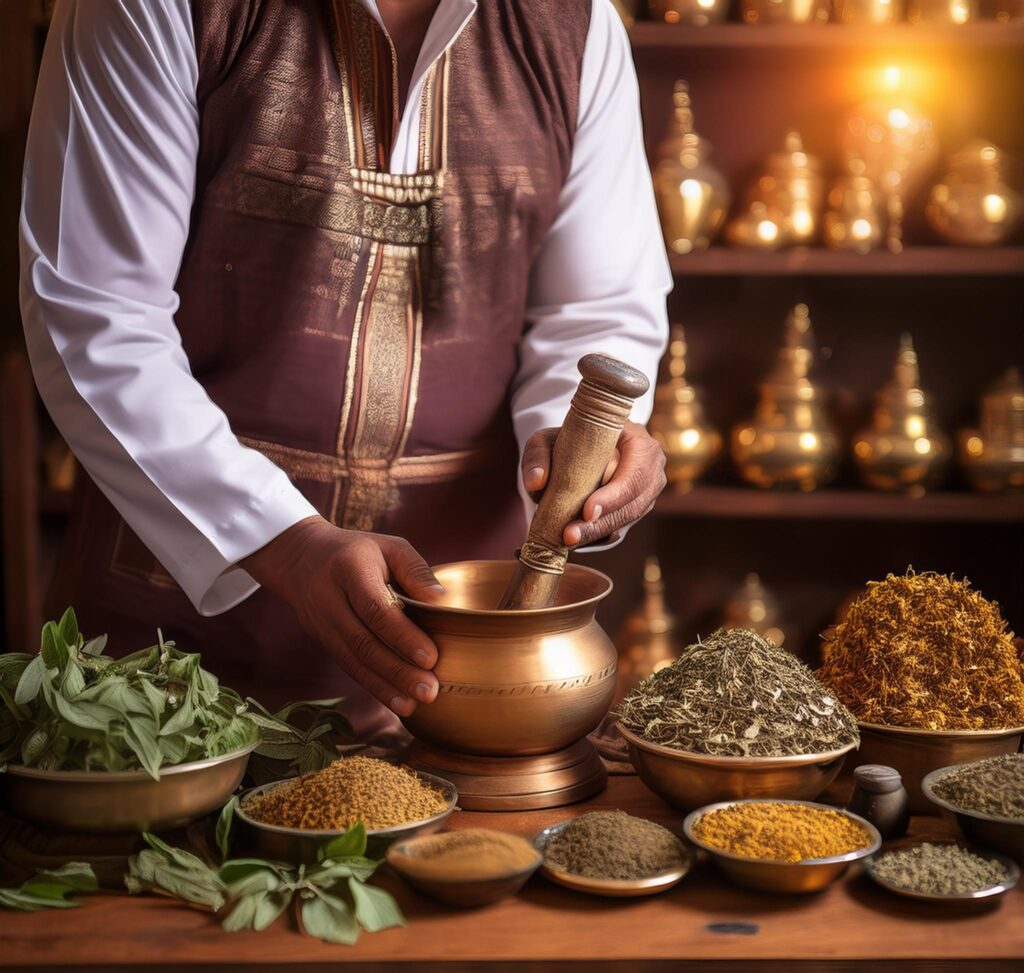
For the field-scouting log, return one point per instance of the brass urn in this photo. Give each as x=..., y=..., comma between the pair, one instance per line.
x=693, y=196
x=993, y=454
x=677, y=422
x=903, y=449
x=754, y=607
x=788, y=442
x=854, y=218
x=696, y=13
x=648, y=640
x=784, y=205
x=785, y=11
x=972, y=203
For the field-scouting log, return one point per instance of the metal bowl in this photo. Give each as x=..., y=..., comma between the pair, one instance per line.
x=608, y=887
x=691, y=780
x=768, y=876
x=102, y=802
x=916, y=753
x=957, y=898
x=988, y=830
x=465, y=893
x=300, y=845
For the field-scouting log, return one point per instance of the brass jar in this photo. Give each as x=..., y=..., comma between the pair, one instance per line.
x=785, y=11
x=993, y=454
x=788, y=442
x=972, y=203
x=854, y=219
x=754, y=607
x=677, y=422
x=692, y=196
x=903, y=449
x=648, y=640
x=514, y=683
x=696, y=13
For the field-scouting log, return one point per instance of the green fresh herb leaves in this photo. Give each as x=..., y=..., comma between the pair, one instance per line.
x=72, y=708
x=332, y=901
x=298, y=739
x=50, y=889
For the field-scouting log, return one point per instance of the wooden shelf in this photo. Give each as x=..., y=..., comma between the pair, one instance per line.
x=982, y=36
x=863, y=505
x=819, y=262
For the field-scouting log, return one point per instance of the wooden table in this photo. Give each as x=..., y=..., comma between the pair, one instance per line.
x=702, y=925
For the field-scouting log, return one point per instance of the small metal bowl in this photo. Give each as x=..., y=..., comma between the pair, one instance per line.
x=300, y=846
x=916, y=753
x=957, y=898
x=608, y=887
x=464, y=893
x=988, y=830
x=103, y=802
x=692, y=780
x=771, y=876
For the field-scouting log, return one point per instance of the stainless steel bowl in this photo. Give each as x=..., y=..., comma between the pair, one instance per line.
x=609, y=887
x=97, y=801
x=691, y=780
x=916, y=753
x=768, y=876
x=958, y=898
x=300, y=845
x=988, y=830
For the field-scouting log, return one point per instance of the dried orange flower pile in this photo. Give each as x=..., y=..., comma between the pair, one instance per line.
x=926, y=651
x=352, y=789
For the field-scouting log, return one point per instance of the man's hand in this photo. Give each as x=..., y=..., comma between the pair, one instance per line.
x=632, y=482
x=336, y=582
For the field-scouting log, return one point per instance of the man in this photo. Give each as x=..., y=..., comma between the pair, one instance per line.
x=301, y=282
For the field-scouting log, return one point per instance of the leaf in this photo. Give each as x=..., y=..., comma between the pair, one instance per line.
x=181, y=720
x=173, y=870
x=348, y=845
x=68, y=627
x=140, y=735
x=95, y=647
x=50, y=889
x=31, y=681
x=329, y=872
x=52, y=647
x=34, y=746
x=328, y=917
x=236, y=869
x=375, y=909
x=225, y=820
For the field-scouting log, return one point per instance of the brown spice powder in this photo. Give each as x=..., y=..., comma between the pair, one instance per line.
x=379, y=794
x=467, y=854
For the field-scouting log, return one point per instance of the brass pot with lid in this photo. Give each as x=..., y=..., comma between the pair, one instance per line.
x=993, y=454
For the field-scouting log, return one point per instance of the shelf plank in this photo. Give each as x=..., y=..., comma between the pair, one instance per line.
x=819, y=262
x=981, y=36
x=862, y=505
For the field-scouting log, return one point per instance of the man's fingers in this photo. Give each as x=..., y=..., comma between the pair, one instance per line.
x=536, y=463
x=378, y=609
x=580, y=533
x=409, y=570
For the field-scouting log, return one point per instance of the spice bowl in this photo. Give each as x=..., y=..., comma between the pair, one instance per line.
x=110, y=802
x=692, y=780
x=980, y=897
x=988, y=830
x=464, y=893
x=300, y=845
x=607, y=887
x=811, y=875
x=916, y=753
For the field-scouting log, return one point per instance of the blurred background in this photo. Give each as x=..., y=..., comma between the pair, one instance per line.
x=839, y=185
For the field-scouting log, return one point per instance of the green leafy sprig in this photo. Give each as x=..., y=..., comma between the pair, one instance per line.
x=299, y=738
x=331, y=898
x=51, y=889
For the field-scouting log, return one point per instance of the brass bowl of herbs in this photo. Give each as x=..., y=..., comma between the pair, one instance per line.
x=735, y=716
x=781, y=845
x=986, y=798
x=149, y=741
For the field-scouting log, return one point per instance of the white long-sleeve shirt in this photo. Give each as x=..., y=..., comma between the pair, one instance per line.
x=109, y=181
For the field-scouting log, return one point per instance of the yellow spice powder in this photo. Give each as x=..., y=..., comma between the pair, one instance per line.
x=780, y=832
x=379, y=794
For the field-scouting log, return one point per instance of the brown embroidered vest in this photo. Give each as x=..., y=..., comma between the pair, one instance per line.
x=358, y=327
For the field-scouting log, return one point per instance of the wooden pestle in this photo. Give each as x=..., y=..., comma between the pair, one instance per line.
x=584, y=447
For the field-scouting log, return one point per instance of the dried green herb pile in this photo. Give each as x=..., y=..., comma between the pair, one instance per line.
x=738, y=695
x=72, y=708
x=939, y=869
x=993, y=786
x=614, y=845
x=926, y=651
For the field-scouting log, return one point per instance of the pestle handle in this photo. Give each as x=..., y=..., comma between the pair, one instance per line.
x=584, y=447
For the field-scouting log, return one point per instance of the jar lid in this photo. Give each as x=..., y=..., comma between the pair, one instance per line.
x=877, y=778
